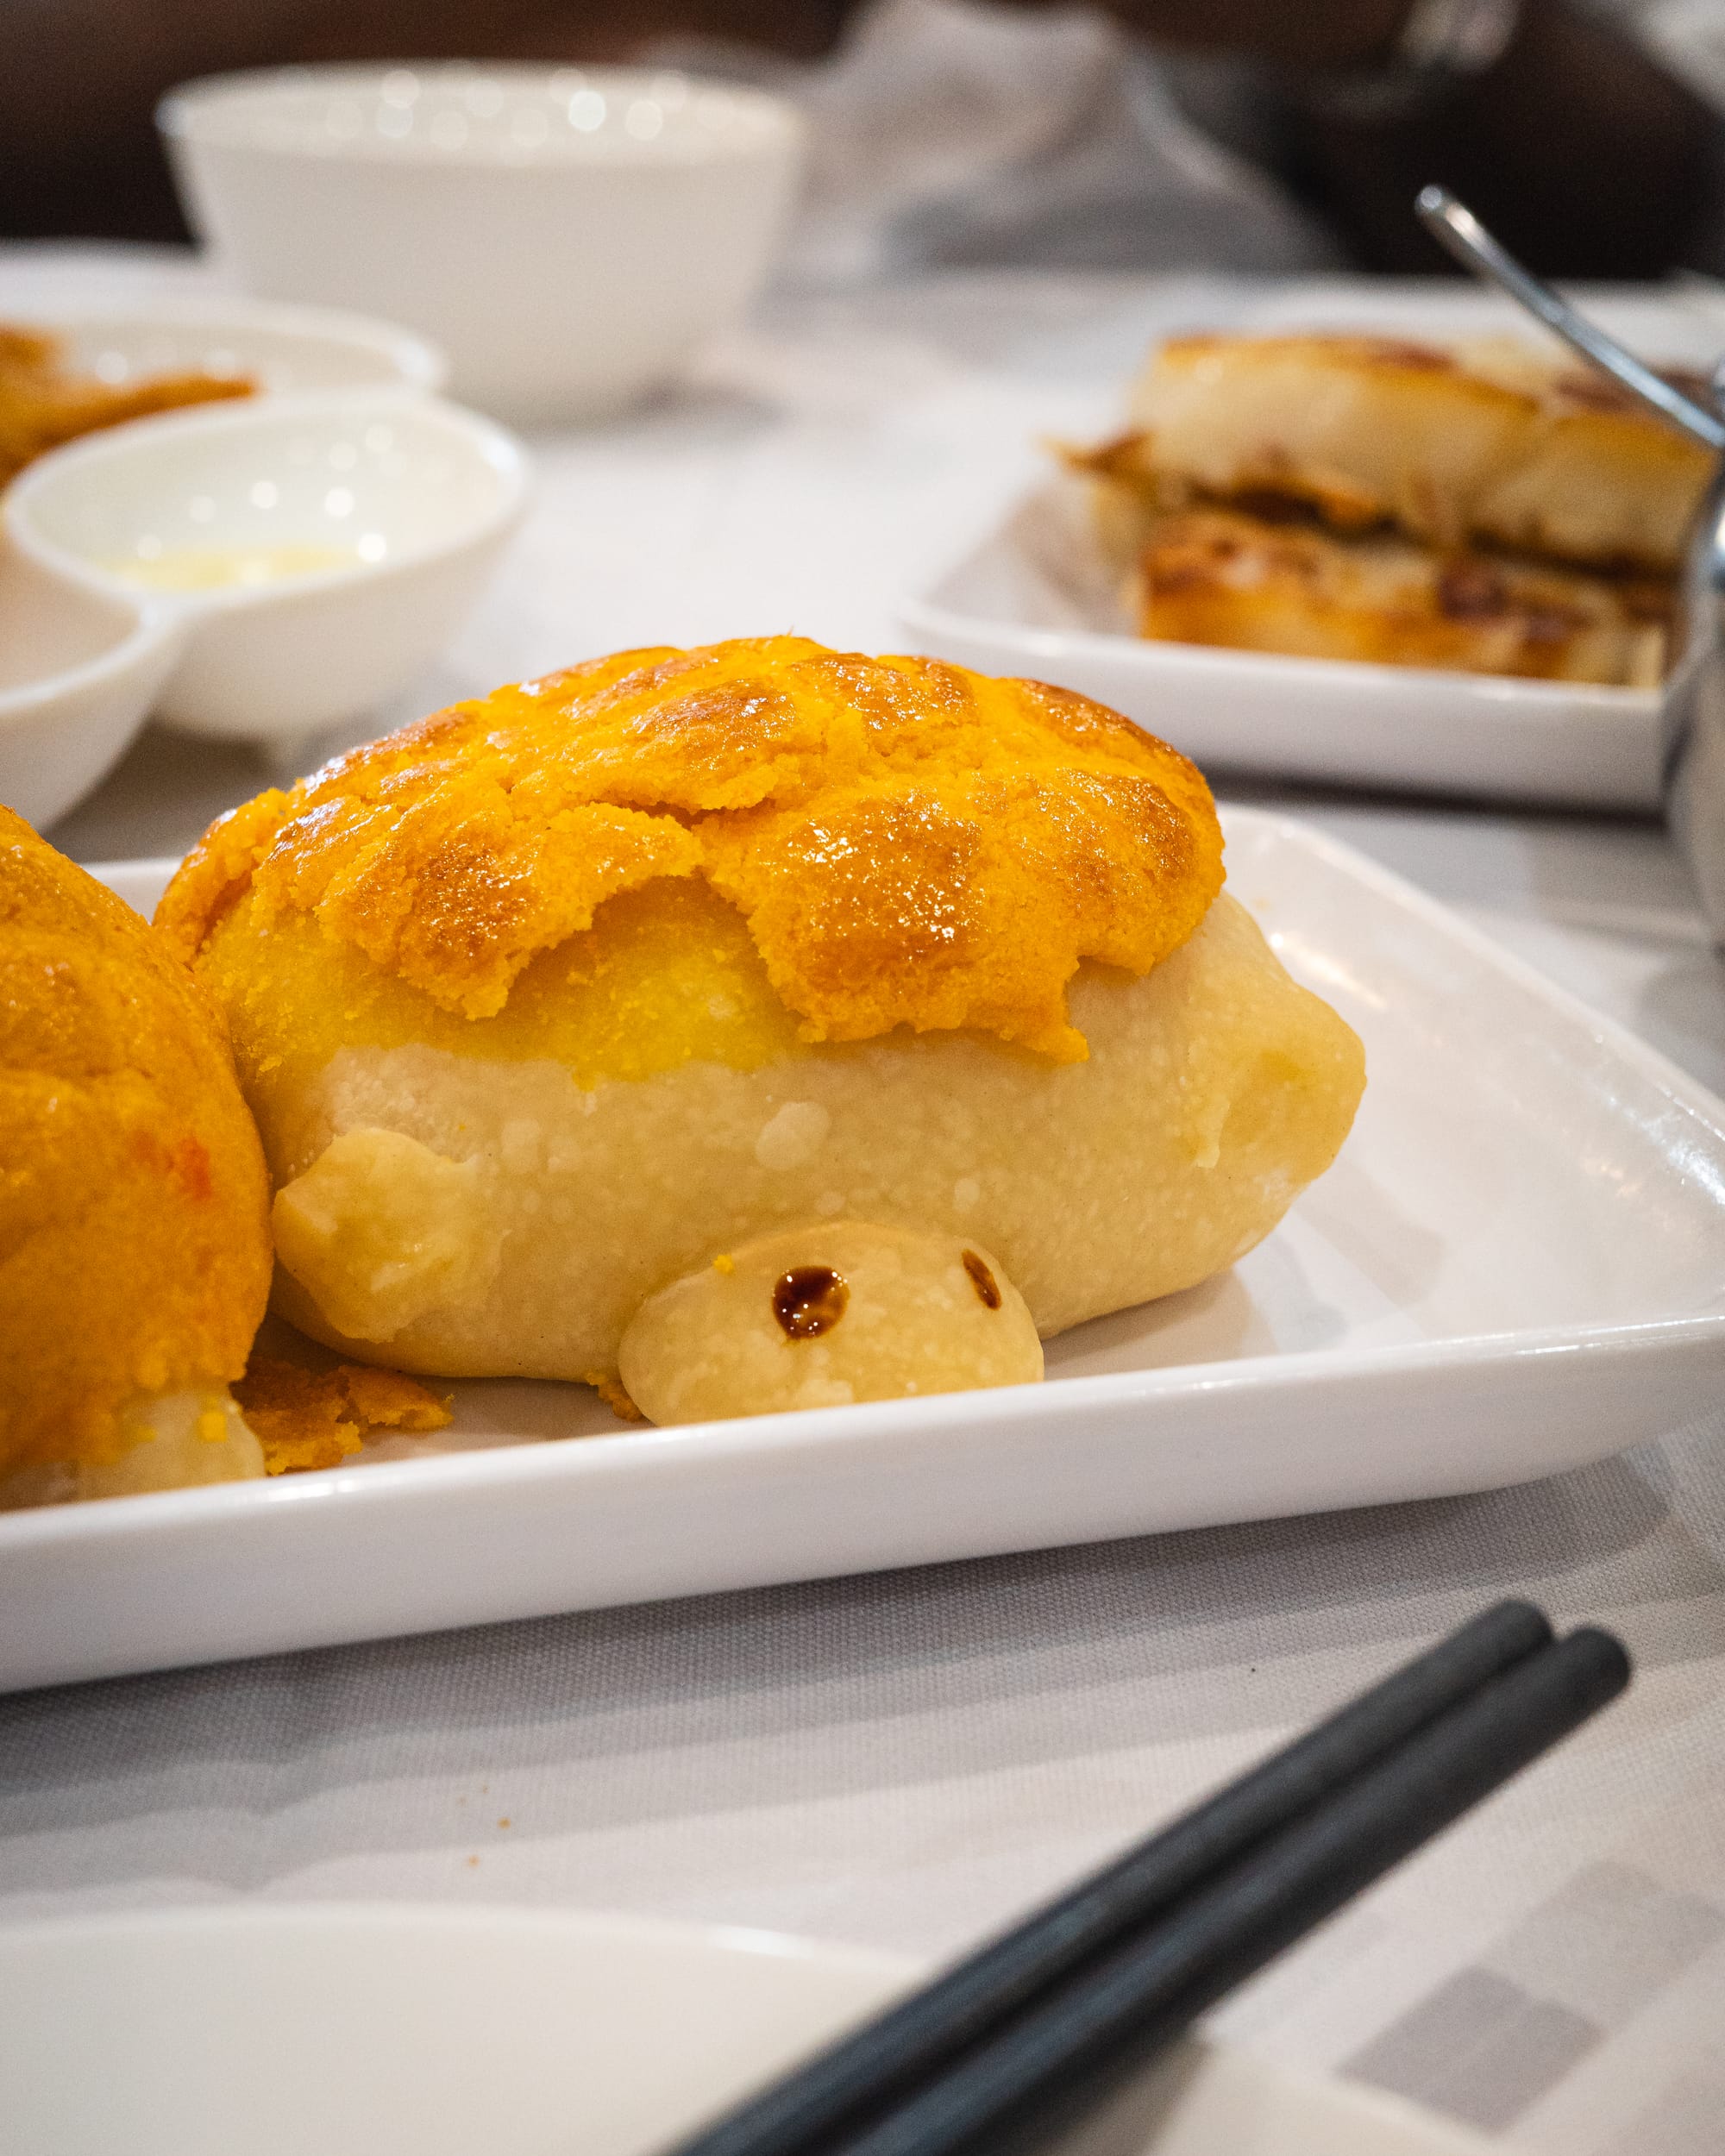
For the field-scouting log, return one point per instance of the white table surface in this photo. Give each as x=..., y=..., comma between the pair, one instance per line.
x=907, y=1759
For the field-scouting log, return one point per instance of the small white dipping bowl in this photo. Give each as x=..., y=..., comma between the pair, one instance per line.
x=316, y=551
x=79, y=669
x=570, y=237
x=284, y=350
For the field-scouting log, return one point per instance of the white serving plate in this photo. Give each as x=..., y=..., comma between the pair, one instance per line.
x=1517, y=1265
x=390, y=2030
x=284, y=350
x=1033, y=597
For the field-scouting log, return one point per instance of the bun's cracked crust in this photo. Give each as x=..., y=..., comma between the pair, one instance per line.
x=134, y=1250
x=909, y=843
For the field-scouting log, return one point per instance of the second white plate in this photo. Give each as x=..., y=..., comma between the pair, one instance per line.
x=1034, y=597
x=1516, y=1266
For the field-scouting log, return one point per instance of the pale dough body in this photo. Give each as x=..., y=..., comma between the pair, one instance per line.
x=1216, y=1088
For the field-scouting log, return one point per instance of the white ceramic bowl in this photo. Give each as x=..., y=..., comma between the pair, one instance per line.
x=362, y=528
x=285, y=350
x=79, y=669
x=329, y=2030
x=569, y=237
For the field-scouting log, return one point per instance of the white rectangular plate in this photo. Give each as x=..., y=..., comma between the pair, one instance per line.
x=1035, y=597
x=1517, y=1265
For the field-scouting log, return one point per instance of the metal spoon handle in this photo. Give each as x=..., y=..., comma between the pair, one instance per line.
x=1456, y=227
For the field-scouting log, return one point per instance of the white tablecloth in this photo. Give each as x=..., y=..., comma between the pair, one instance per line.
x=907, y=1759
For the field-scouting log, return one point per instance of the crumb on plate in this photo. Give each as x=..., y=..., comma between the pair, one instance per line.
x=610, y=1390
x=307, y=1418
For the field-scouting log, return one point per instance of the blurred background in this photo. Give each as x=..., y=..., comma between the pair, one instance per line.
x=1149, y=133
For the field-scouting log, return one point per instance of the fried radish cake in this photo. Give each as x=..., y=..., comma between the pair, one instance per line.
x=134, y=1250
x=1213, y=576
x=1490, y=443
x=752, y=1027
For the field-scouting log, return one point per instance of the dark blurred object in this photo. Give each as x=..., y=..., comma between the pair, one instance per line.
x=81, y=78
x=1669, y=397
x=1569, y=137
x=1584, y=155
x=119, y=190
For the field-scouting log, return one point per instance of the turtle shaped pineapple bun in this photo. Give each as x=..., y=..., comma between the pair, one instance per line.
x=754, y=1027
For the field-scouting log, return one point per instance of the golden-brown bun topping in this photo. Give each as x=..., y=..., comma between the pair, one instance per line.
x=134, y=1251
x=909, y=843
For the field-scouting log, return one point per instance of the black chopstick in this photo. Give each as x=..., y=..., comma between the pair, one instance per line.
x=854, y=2080
x=1016, y=2088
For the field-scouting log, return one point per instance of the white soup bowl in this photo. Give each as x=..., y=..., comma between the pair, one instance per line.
x=570, y=237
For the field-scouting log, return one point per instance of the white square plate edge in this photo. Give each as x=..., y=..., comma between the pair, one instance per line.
x=525, y=1530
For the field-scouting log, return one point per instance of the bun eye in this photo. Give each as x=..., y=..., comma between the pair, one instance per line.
x=809, y=1300
x=983, y=1280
